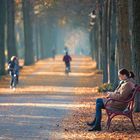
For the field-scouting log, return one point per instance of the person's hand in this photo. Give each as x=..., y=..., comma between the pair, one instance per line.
x=107, y=96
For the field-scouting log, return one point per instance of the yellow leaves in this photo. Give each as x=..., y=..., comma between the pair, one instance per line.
x=121, y=127
x=73, y=126
x=105, y=87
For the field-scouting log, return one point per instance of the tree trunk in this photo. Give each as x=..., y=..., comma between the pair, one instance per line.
x=28, y=32
x=112, y=43
x=2, y=37
x=91, y=39
x=136, y=48
x=48, y=39
x=11, y=45
x=93, y=45
x=37, y=40
x=104, y=41
x=108, y=38
x=98, y=28
x=123, y=33
x=42, y=40
x=97, y=45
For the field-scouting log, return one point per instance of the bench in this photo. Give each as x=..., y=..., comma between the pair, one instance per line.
x=128, y=112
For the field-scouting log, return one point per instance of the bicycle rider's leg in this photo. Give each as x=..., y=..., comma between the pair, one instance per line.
x=69, y=67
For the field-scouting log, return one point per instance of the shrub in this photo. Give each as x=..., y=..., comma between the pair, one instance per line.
x=105, y=87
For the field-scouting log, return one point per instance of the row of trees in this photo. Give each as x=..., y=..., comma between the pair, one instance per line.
x=7, y=32
x=115, y=39
x=30, y=28
x=25, y=17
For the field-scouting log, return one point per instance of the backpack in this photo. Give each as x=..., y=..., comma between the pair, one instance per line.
x=11, y=66
x=67, y=58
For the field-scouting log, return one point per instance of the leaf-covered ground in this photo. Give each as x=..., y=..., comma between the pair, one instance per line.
x=75, y=128
x=84, y=88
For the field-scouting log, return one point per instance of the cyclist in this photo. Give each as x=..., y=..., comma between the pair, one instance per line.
x=67, y=58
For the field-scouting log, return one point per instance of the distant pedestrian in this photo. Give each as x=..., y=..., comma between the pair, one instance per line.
x=53, y=53
x=13, y=69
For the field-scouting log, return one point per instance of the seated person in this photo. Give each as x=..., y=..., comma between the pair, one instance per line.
x=122, y=92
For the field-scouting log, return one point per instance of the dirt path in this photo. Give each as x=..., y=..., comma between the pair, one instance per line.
x=48, y=105
x=44, y=97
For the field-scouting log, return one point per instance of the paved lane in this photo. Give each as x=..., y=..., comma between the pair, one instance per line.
x=44, y=97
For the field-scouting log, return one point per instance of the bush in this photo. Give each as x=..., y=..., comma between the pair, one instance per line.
x=105, y=87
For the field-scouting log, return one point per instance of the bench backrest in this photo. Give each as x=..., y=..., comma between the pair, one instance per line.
x=131, y=100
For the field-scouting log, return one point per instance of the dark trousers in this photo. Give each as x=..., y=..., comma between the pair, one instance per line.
x=12, y=79
x=98, y=114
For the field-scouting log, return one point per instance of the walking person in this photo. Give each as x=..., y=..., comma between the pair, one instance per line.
x=13, y=69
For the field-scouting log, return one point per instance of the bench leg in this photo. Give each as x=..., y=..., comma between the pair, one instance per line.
x=131, y=118
x=108, y=123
